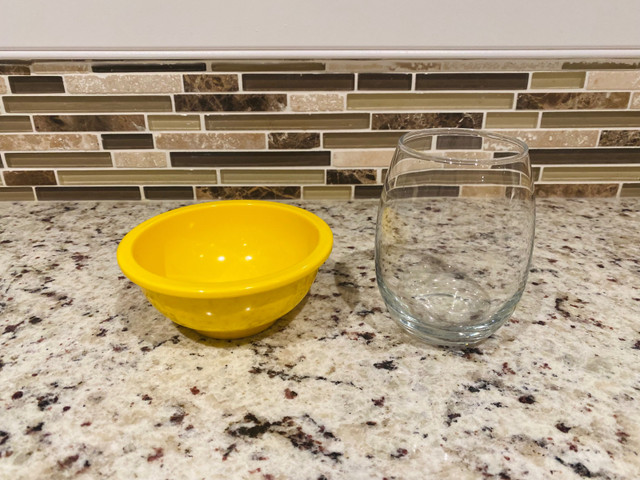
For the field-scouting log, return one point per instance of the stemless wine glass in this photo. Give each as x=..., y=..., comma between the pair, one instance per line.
x=455, y=233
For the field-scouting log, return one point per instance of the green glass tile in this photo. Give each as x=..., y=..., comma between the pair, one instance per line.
x=630, y=190
x=174, y=122
x=271, y=177
x=557, y=80
x=511, y=120
x=590, y=119
x=287, y=121
x=267, y=66
x=14, y=123
x=326, y=193
x=36, y=84
x=137, y=177
x=168, y=193
x=419, y=101
x=62, y=160
x=88, y=104
x=594, y=174
x=16, y=194
x=87, y=193
x=362, y=139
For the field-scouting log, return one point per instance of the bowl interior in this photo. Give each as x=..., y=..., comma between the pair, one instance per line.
x=227, y=243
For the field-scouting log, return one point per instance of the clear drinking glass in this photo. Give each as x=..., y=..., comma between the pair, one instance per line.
x=455, y=233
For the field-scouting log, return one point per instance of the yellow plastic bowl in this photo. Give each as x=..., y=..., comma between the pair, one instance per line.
x=227, y=269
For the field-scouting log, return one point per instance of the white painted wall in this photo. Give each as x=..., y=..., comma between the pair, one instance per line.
x=308, y=28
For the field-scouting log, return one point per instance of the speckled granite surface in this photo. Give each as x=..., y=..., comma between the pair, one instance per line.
x=96, y=384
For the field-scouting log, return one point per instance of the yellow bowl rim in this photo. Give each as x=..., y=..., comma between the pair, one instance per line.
x=157, y=283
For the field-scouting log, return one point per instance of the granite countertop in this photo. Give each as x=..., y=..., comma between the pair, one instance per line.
x=97, y=384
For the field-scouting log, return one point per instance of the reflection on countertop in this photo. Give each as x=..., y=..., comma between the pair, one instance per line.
x=97, y=384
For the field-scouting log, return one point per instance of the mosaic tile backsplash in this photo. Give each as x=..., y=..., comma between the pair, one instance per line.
x=126, y=130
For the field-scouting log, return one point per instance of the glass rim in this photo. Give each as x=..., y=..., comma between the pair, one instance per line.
x=466, y=132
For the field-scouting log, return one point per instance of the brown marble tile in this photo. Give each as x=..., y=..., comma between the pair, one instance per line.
x=293, y=140
x=620, y=138
x=15, y=69
x=297, y=81
x=123, y=83
x=87, y=193
x=267, y=66
x=230, y=103
x=564, y=101
x=29, y=177
x=44, y=142
x=211, y=141
x=15, y=123
x=149, y=67
x=250, y=159
x=411, y=121
x=472, y=81
x=168, y=193
x=576, y=190
x=210, y=83
x=125, y=141
x=351, y=177
x=252, y=193
x=584, y=156
x=36, y=84
x=16, y=194
x=384, y=81
x=630, y=190
x=88, y=123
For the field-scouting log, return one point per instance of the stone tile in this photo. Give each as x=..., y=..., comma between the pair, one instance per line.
x=250, y=193
x=555, y=138
x=87, y=193
x=497, y=65
x=472, y=81
x=620, y=80
x=15, y=68
x=211, y=141
x=555, y=80
x=16, y=194
x=620, y=138
x=271, y=177
x=88, y=123
x=148, y=159
x=362, y=158
x=288, y=121
x=585, y=119
x=127, y=66
x=230, y=102
x=58, y=160
x=628, y=190
x=250, y=159
x=591, y=174
x=420, y=101
x=29, y=177
x=511, y=120
x=584, y=156
x=384, y=81
x=168, y=193
x=124, y=141
x=608, y=64
x=326, y=193
x=3, y=86
x=110, y=84
x=414, y=121
x=297, y=81
x=210, y=83
x=174, y=122
x=573, y=190
x=379, y=66
x=351, y=177
x=293, y=140
x=36, y=84
x=15, y=123
x=565, y=101
x=61, y=67
x=87, y=104
x=35, y=142
x=167, y=176
x=317, y=102
x=635, y=101
x=267, y=66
